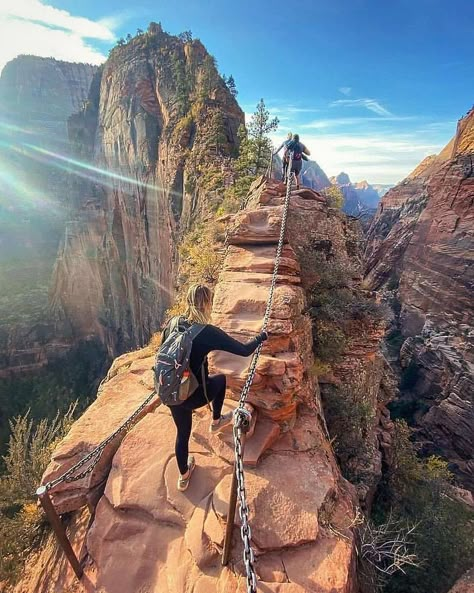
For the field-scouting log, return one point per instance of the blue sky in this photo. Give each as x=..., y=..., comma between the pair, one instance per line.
x=372, y=87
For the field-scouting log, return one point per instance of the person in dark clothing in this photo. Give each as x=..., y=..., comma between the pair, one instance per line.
x=198, y=309
x=299, y=151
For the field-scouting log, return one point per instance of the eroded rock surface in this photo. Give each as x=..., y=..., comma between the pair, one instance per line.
x=145, y=140
x=465, y=584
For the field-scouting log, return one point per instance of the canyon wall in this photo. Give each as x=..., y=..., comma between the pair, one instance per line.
x=109, y=165
x=360, y=197
x=156, y=120
x=37, y=96
x=420, y=254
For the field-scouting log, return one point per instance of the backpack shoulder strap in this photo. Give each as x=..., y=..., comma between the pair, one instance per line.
x=196, y=329
x=173, y=324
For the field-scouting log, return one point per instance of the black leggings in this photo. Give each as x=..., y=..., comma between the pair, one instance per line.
x=183, y=415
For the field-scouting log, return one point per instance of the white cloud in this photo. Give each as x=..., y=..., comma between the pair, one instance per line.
x=345, y=90
x=33, y=27
x=370, y=104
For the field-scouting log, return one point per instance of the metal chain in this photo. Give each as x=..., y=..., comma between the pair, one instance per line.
x=94, y=456
x=241, y=415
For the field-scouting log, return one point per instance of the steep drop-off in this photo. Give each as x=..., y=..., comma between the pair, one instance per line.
x=37, y=96
x=420, y=252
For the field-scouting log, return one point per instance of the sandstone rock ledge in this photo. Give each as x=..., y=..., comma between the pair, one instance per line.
x=145, y=535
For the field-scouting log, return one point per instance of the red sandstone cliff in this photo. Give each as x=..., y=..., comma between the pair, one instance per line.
x=420, y=248
x=146, y=138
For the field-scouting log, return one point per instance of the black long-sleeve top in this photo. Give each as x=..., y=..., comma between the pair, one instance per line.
x=212, y=338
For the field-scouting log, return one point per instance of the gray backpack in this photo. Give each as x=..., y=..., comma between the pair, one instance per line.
x=174, y=380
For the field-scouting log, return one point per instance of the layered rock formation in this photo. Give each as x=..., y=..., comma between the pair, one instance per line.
x=465, y=584
x=37, y=96
x=158, y=118
x=420, y=248
x=145, y=535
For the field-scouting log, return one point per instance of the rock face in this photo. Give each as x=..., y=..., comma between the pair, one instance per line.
x=465, y=584
x=37, y=96
x=145, y=535
x=145, y=136
x=420, y=248
x=313, y=176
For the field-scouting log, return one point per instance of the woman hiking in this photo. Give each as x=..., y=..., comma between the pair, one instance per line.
x=198, y=310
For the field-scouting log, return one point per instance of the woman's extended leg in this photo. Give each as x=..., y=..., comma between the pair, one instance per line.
x=183, y=419
x=216, y=393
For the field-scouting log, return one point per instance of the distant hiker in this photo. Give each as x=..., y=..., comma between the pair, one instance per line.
x=192, y=330
x=299, y=151
x=285, y=155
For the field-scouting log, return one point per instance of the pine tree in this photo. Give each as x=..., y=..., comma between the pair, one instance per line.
x=186, y=36
x=208, y=77
x=121, y=41
x=259, y=127
x=181, y=82
x=217, y=136
x=230, y=82
x=129, y=37
x=139, y=32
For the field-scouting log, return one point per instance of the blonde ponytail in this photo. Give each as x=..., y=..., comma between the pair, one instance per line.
x=198, y=304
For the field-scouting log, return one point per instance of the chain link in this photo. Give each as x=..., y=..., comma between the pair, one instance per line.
x=241, y=415
x=94, y=456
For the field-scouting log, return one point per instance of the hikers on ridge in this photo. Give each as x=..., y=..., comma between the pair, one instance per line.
x=293, y=144
x=206, y=339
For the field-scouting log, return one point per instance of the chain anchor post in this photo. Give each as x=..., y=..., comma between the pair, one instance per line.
x=59, y=530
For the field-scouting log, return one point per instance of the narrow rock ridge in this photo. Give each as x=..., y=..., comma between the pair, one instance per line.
x=145, y=535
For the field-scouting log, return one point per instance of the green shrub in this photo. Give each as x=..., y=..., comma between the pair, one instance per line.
x=21, y=521
x=334, y=196
x=349, y=417
x=417, y=490
x=333, y=304
x=29, y=451
x=329, y=341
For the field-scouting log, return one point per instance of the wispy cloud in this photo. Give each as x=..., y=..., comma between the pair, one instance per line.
x=345, y=90
x=336, y=122
x=34, y=27
x=370, y=104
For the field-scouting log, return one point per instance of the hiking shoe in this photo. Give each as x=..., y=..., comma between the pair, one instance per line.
x=224, y=421
x=183, y=483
